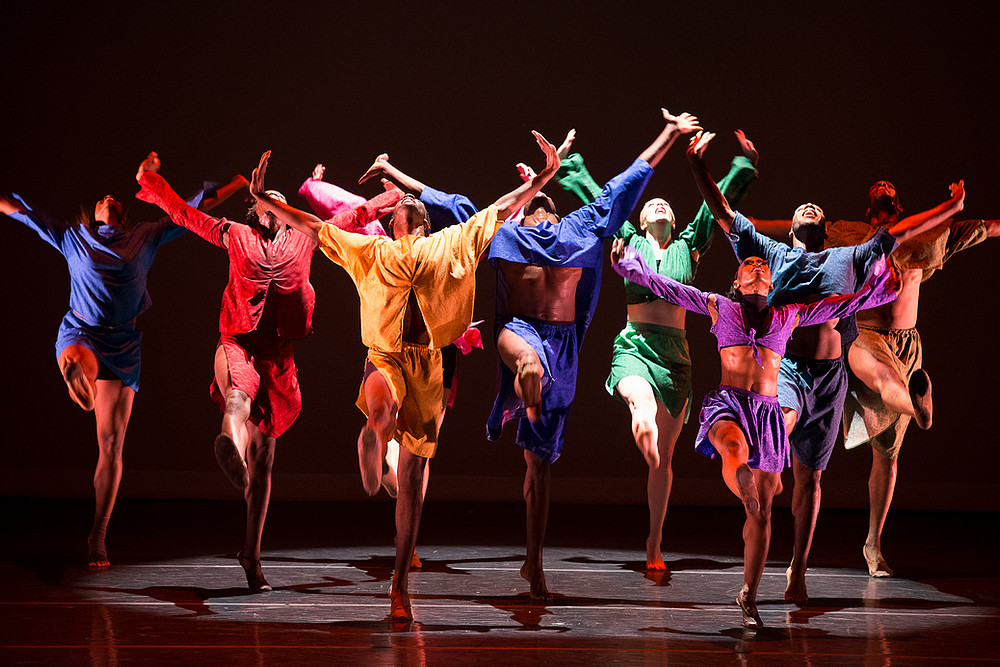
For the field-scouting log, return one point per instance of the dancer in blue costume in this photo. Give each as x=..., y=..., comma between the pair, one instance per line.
x=813, y=379
x=97, y=348
x=548, y=280
x=651, y=364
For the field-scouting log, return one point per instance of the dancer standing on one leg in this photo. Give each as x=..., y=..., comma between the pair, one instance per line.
x=97, y=348
x=741, y=422
x=812, y=380
x=267, y=304
x=417, y=294
x=548, y=280
x=651, y=364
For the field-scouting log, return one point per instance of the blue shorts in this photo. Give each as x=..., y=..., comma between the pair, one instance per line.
x=815, y=389
x=116, y=348
x=557, y=349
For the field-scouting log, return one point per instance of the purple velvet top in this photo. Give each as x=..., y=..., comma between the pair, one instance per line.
x=730, y=329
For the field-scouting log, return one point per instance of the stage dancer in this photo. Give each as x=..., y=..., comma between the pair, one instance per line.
x=417, y=292
x=651, y=364
x=548, y=281
x=888, y=386
x=267, y=304
x=812, y=379
x=98, y=345
x=741, y=422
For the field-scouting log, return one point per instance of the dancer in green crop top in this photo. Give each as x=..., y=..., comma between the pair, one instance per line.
x=651, y=366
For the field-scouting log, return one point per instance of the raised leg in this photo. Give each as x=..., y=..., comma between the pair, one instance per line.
x=537, y=482
x=232, y=442
x=806, y=498
x=373, y=441
x=731, y=444
x=756, y=541
x=521, y=358
x=883, y=379
x=881, y=484
x=112, y=409
x=260, y=460
x=413, y=474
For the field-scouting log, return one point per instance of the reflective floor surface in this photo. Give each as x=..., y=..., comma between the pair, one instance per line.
x=176, y=593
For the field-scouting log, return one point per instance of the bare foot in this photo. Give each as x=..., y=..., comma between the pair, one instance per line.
x=919, y=387
x=751, y=618
x=654, y=559
x=536, y=583
x=644, y=432
x=528, y=387
x=748, y=489
x=795, y=588
x=255, y=576
x=876, y=564
x=390, y=481
x=415, y=562
x=81, y=389
x=399, y=605
x=370, y=461
x=97, y=557
x=232, y=464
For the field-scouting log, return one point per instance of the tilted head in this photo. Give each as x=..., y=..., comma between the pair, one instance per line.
x=540, y=209
x=753, y=277
x=809, y=226
x=409, y=218
x=882, y=197
x=259, y=215
x=657, y=212
x=109, y=211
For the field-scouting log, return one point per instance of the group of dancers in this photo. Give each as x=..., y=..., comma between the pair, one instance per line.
x=781, y=399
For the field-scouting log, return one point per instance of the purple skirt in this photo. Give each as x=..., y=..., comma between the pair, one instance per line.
x=758, y=416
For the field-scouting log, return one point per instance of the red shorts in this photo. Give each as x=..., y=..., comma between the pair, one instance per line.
x=262, y=366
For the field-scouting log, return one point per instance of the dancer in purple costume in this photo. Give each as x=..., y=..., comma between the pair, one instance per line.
x=741, y=422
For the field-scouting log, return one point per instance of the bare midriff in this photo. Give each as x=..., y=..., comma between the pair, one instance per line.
x=820, y=341
x=414, y=328
x=741, y=370
x=545, y=293
x=657, y=312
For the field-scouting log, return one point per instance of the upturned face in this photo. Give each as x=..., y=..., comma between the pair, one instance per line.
x=539, y=210
x=108, y=211
x=883, y=197
x=409, y=218
x=656, y=211
x=753, y=276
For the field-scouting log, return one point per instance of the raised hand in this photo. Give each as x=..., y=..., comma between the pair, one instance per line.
x=617, y=250
x=525, y=172
x=378, y=168
x=151, y=163
x=958, y=194
x=698, y=144
x=257, y=179
x=552, y=159
x=747, y=147
x=9, y=205
x=565, y=145
x=318, y=171
x=686, y=123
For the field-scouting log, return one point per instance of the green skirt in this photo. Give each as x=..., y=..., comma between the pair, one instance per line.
x=659, y=355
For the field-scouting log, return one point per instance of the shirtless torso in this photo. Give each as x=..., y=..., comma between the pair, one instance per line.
x=901, y=313
x=545, y=293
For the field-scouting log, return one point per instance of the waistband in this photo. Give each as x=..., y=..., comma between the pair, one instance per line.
x=748, y=393
x=794, y=358
x=881, y=330
x=534, y=321
x=660, y=329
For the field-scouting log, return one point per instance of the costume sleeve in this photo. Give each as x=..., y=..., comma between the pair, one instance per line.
x=369, y=211
x=733, y=186
x=930, y=250
x=868, y=253
x=446, y=210
x=327, y=199
x=354, y=252
x=748, y=242
x=633, y=267
x=50, y=231
x=874, y=293
x=476, y=232
x=574, y=177
x=155, y=190
x=606, y=215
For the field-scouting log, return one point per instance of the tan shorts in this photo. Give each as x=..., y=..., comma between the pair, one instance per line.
x=414, y=379
x=866, y=417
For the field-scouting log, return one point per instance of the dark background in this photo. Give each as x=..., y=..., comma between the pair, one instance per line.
x=835, y=97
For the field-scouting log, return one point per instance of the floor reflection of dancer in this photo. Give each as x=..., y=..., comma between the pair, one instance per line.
x=741, y=422
x=651, y=364
x=267, y=304
x=889, y=387
x=97, y=348
x=417, y=293
x=812, y=380
x=548, y=281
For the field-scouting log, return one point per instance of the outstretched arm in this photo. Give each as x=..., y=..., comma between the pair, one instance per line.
x=302, y=221
x=917, y=223
x=710, y=192
x=383, y=168
x=156, y=190
x=225, y=192
x=9, y=205
x=676, y=126
x=881, y=288
x=631, y=266
x=514, y=200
